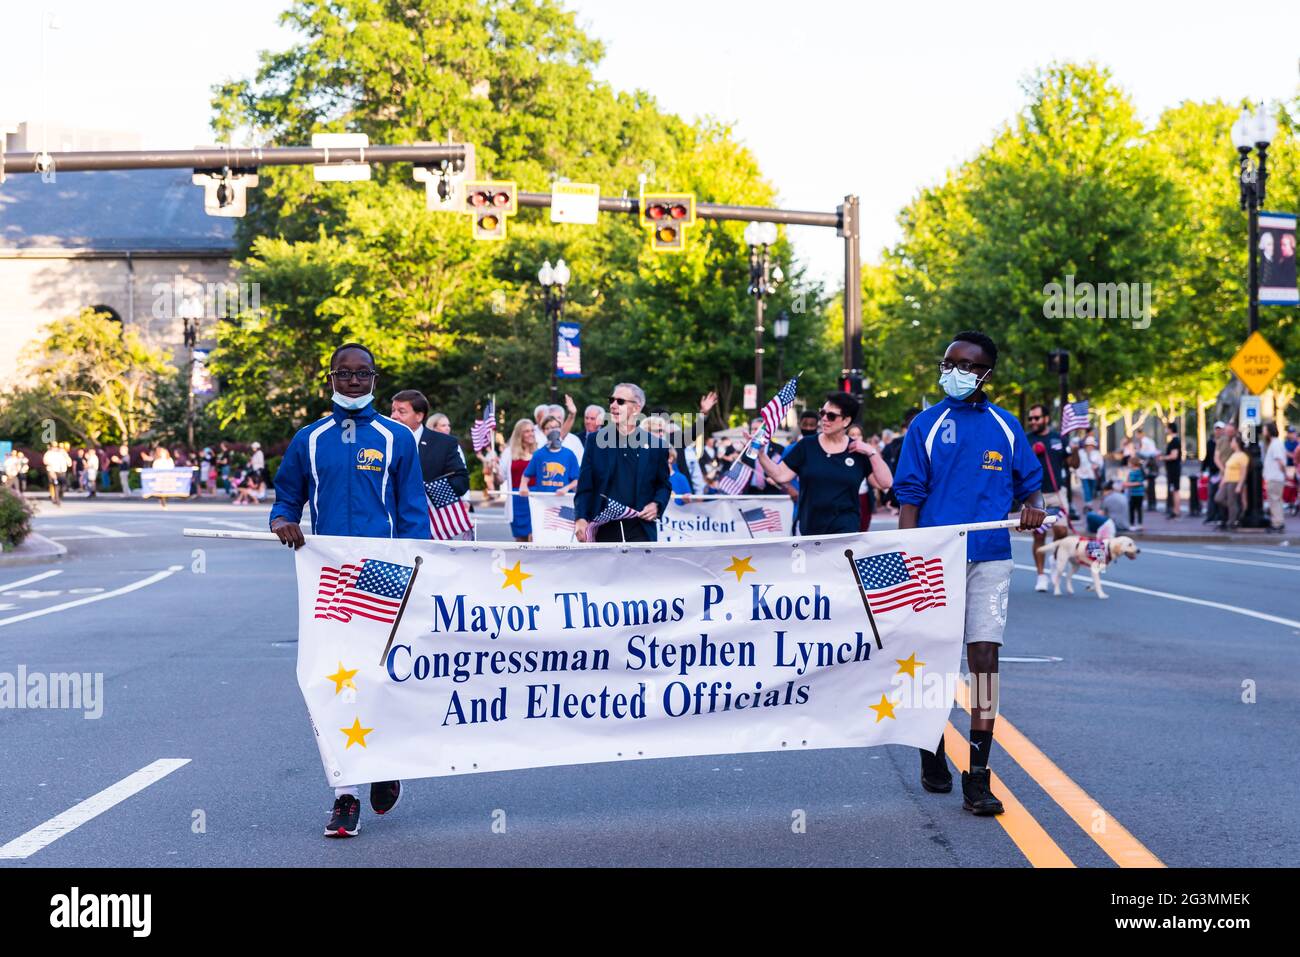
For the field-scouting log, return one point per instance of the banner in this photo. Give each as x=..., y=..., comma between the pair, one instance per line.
x=425, y=659
x=568, y=351
x=705, y=518
x=158, y=482
x=1277, y=272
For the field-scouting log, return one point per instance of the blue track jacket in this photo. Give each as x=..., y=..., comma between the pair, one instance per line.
x=359, y=472
x=967, y=462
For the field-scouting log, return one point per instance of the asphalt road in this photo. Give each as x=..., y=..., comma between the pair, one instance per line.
x=1134, y=743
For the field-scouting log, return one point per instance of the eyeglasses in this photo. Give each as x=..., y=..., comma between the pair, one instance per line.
x=827, y=414
x=964, y=366
x=615, y=400
x=342, y=375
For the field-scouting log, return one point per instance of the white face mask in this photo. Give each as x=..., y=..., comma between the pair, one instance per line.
x=353, y=404
x=958, y=384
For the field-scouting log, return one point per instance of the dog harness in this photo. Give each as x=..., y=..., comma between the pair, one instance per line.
x=1094, y=551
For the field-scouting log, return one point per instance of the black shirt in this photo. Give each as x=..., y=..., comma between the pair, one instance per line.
x=1056, y=454
x=828, y=486
x=1175, y=445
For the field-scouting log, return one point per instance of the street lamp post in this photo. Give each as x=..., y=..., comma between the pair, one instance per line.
x=762, y=283
x=554, y=280
x=781, y=329
x=1253, y=131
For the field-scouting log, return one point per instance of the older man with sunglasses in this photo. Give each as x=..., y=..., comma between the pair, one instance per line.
x=624, y=464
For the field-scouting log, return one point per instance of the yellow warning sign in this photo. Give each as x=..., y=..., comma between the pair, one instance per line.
x=1256, y=363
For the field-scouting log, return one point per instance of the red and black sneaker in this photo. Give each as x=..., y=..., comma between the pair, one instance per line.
x=345, y=820
x=384, y=796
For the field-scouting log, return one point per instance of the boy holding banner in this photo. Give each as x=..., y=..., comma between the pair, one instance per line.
x=360, y=473
x=967, y=460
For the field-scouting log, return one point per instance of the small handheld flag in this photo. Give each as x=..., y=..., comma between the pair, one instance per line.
x=736, y=478
x=612, y=512
x=481, y=433
x=761, y=519
x=448, y=516
x=372, y=589
x=775, y=411
x=1074, y=416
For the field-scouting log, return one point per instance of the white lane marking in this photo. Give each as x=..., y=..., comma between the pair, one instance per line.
x=43, y=835
x=1248, y=612
x=35, y=578
x=107, y=532
x=1220, y=558
x=125, y=589
x=1273, y=552
x=82, y=538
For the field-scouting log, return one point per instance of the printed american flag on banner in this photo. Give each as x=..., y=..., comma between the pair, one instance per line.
x=482, y=430
x=448, y=516
x=373, y=590
x=895, y=579
x=736, y=478
x=775, y=411
x=1074, y=416
x=762, y=519
x=613, y=512
x=568, y=358
x=558, y=517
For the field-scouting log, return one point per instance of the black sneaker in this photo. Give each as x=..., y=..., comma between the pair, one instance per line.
x=384, y=796
x=345, y=820
x=976, y=796
x=935, y=776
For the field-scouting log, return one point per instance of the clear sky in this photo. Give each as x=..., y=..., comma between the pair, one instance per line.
x=835, y=98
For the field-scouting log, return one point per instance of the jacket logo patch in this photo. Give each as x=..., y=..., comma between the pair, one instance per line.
x=553, y=470
x=993, y=461
x=370, y=460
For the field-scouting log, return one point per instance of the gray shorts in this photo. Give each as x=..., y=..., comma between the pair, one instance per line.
x=987, y=586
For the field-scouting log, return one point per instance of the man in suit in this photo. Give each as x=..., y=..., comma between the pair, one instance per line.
x=440, y=454
x=626, y=464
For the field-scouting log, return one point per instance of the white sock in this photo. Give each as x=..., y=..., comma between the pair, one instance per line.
x=350, y=792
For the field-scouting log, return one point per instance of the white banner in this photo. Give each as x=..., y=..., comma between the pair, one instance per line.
x=158, y=482
x=423, y=659
x=705, y=518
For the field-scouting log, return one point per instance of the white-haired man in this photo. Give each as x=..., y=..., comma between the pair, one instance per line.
x=624, y=464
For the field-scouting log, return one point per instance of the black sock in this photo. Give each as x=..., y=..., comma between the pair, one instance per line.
x=980, y=742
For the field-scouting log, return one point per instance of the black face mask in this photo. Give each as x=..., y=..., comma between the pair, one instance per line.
x=807, y=432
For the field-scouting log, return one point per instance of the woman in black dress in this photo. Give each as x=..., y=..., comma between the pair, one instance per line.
x=831, y=467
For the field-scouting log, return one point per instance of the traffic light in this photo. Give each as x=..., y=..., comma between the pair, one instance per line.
x=444, y=182
x=668, y=215
x=488, y=204
x=225, y=190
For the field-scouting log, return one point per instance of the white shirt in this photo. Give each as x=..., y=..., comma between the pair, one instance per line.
x=1275, y=461
x=256, y=461
x=1089, y=463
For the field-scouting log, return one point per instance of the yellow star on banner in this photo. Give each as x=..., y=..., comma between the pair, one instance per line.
x=343, y=678
x=909, y=665
x=883, y=710
x=356, y=734
x=515, y=576
x=740, y=566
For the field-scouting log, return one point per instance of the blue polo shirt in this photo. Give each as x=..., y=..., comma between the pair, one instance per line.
x=967, y=462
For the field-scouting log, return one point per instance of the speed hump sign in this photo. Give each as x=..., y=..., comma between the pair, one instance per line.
x=1256, y=363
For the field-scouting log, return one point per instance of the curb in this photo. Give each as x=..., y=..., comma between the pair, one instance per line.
x=35, y=550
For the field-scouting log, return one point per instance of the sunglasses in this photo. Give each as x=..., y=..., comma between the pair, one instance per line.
x=615, y=400
x=826, y=414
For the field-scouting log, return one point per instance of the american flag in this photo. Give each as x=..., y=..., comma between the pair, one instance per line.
x=568, y=358
x=558, y=517
x=448, y=516
x=481, y=432
x=373, y=590
x=774, y=412
x=1074, y=416
x=736, y=478
x=613, y=512
x=762, y=519
x=895, y=579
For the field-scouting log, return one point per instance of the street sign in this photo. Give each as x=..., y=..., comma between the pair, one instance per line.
x=575, y=203
x=1256, y=363
x=751, y=396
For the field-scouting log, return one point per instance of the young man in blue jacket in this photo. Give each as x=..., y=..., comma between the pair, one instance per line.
x=967, y=460
x=359, y=472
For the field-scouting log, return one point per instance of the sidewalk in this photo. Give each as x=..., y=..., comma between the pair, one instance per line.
x=35, y=550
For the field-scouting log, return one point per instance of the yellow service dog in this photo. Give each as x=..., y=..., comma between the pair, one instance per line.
x=1094, y=554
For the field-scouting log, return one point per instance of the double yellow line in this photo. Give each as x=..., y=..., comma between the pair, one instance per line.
x=1034, y=842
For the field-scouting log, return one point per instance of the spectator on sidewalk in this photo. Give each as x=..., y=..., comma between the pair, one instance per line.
x=1135, y=486
x=1275, y=476
x=57, y=463
x=1089, y=470
x=90, y=471
x=1173, y=459
x=1213, y=472
x=1232, y=490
